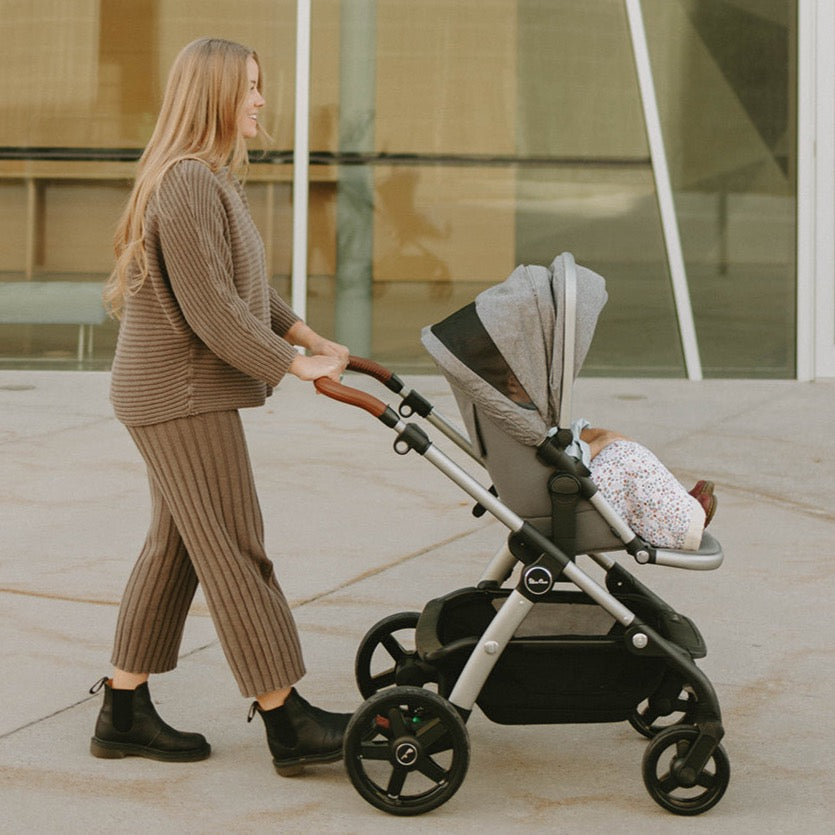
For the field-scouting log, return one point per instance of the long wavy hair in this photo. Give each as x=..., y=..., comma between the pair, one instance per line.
x=204, y=96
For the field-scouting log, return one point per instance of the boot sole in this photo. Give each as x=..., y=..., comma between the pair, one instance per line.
x=117, y=750
x=292, y=768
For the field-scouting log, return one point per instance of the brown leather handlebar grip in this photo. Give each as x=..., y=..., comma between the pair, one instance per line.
x=371, y=368
x=352, y=396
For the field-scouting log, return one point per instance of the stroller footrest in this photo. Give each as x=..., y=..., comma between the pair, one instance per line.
x=707, y=558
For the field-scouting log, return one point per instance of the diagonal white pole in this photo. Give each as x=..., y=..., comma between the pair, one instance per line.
x=663, y=188
x=301, y=160
x=815, y=190
x=808, y=214
x=824, y=196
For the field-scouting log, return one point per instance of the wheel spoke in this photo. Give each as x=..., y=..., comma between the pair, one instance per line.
x=649, y=715
x=429, y=768
x=434, y=737
x=393, y=647
x=383, y=679
x=372, y=750
x=706, y=780
x=396, y=782
x=668, y=783
x=397, y=724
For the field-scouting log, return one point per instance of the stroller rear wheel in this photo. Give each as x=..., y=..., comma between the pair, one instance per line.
x=406, y=750
x=654, y=715
x=667, y=781
x=387, y=655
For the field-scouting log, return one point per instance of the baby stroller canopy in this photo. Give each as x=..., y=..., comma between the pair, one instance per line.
x=504, y=351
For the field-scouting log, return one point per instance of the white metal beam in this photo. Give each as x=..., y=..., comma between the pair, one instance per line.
x=824, y=277
x=301, y=160
x=816, y=190
x=664, y=191
x=806, y=187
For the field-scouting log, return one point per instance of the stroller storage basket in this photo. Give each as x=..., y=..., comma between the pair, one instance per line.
x=567, y=663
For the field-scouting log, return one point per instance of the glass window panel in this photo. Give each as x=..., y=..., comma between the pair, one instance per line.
x=80, y=87
x=527, y=119
x=579, y=113
x=607, y=216
x=49, y=71
x=443, y=233
x=76, y=219
x=446, y=76
x=516, y=131
x=577, y=90
x=725, y=75
x=12, y=226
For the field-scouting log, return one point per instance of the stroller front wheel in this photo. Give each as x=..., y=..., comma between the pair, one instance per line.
x=667, y=782
x=406, y=750
x=655, y=715
x=387, y=655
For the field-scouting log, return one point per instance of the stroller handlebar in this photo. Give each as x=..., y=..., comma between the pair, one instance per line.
x=379, y=372
x=412, y=401
x=347, y=394
x=355, y=397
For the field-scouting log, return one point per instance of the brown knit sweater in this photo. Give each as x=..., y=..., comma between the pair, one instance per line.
x=204, y=333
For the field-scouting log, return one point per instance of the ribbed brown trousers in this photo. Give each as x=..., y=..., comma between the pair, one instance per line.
x=206, y=527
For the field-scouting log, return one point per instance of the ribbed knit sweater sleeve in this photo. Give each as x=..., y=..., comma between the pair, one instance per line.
x=282, y=315
x=200, y=246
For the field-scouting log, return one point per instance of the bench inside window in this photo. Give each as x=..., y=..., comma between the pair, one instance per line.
x=55, y=303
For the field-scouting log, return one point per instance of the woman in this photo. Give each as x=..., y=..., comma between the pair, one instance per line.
x=202, y=335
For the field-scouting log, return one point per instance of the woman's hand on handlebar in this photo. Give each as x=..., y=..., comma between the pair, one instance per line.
x=326, y=358
x=302, y=334
x=327, y=348
x=309, y=368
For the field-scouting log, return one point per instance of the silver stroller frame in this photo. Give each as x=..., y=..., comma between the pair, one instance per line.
x=699, y=766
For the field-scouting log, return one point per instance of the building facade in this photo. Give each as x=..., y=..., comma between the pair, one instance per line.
x=421, y=149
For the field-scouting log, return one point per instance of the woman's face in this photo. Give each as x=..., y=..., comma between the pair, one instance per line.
x=254, y=101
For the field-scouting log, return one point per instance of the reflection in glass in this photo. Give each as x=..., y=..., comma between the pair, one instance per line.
x=725, y=73
x=491, y=134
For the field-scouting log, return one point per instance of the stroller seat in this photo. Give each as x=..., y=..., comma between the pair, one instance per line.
x=521, y=480
x=511, y=358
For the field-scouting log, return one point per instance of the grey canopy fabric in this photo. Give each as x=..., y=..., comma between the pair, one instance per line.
x=504, y=351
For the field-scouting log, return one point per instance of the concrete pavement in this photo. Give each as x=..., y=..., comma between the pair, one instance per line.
x=357, y=533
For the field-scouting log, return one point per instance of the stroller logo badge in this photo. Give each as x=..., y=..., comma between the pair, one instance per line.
x=538, y=580
x=406, y=754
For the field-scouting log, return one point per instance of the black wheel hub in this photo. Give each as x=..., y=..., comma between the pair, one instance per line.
x=406, y=752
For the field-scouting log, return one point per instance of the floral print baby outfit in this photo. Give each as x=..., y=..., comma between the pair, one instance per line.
x=647, y=495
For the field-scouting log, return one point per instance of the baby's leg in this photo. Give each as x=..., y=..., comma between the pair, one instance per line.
x=648, y=496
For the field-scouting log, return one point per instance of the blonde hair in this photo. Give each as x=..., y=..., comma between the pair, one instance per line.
x=206, y=90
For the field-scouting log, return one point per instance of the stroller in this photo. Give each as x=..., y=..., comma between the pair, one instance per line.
x=556, y=645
